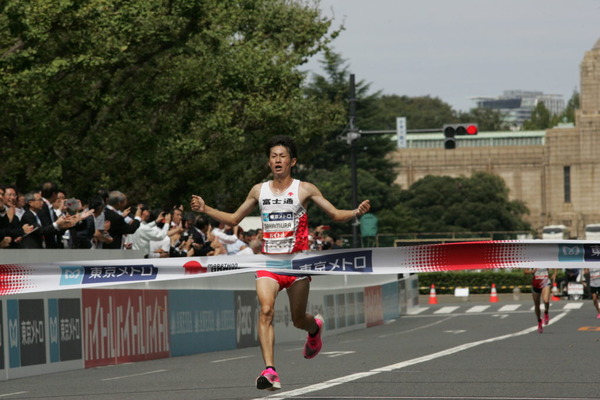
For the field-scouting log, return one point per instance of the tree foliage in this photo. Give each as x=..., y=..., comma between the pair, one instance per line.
x=479, y=203
x=325, y=159
x=159, y=99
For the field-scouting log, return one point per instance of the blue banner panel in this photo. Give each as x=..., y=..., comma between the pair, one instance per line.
x=68, y=329
x=391, y=301
x=246, y=318
x=201, y=321
x=33, y=332
x=14, y=342
x=1, y=338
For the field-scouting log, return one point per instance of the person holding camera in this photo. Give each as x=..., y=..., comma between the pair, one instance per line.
x=116, y=212
x=150, y=231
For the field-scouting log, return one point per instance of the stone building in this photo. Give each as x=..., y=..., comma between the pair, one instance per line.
x=556, y=173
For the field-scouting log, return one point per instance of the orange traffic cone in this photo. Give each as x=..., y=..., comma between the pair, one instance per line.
x=494, y=294
x=432, y=295
x=554, y=292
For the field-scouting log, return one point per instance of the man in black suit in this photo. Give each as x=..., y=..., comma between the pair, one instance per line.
x=35, y=239
x=120, y=225
x=47, y=215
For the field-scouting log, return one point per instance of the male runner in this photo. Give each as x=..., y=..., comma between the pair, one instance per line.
x=282, y=202
x=594, y=287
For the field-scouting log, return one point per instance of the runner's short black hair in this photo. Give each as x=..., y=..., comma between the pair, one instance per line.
x=282, y=140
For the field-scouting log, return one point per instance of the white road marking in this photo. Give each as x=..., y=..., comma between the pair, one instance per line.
x=359, y=375
x=418, y=310
x=509, y=307
x=446, y=310
x=456, y=331
x=332, y=354
x=12, y=394
x=131, y=376
x=231, y=359
x=477, y=309
x=573, y=306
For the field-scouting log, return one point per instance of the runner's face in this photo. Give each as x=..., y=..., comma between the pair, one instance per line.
x=280, y=161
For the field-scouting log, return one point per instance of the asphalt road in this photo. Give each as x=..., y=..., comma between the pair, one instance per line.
x=452, y=350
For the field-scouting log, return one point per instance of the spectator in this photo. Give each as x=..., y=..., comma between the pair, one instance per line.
x=101, y=225
x=149, y=231
x=338, y=243
x=10, y=203
x=35, y=239
x=204, y=242
x=230, y=237
x=20, y=208
x=11, y=232
x=83, y=234
x=177, y=225
x=161, y=248
x=120, y=224
x=253, y=247
x=47, y=216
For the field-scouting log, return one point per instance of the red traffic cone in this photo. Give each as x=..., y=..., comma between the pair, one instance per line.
x=555, y=292
x=432, y=295
x=494, y=294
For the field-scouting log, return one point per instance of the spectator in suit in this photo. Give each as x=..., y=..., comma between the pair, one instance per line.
x=35, y=239
x=47, y=216
x=11, y=231
x=116, y=212
x=10, y=203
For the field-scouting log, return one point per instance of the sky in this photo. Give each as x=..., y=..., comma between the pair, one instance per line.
x=459, y=49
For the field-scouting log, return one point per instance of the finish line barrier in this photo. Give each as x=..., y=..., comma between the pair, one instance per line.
x=60, y=316
x=28, y=278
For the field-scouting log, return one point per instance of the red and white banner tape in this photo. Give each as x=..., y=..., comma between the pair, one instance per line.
x=28, y=278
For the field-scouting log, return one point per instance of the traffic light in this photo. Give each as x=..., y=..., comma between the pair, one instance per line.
x=453, y=130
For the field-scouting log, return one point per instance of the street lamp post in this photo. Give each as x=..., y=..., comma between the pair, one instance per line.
x=352, y=136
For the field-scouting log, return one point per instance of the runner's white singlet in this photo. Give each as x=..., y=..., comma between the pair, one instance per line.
x=595, y=277
x=284, y=220
x=541, y=278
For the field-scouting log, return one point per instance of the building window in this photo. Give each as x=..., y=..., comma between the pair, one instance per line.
x=567, y=183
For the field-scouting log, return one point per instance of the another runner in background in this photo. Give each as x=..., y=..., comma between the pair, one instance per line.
x=594, y=287
x=283, y=202
x=540, y=290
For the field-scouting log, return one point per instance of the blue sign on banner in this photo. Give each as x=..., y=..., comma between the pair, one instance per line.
x=568, y=252
x=353, y=261
x=592, y=252
x=107, y=274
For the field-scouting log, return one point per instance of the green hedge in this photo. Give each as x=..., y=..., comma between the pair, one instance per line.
x=477, y=282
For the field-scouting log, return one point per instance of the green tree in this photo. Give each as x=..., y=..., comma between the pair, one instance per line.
x=159, y=99
x=572, y=106
x=325, y=159
x=446, y=204
x=540, y=119
x=487, y=119
x=421, y=112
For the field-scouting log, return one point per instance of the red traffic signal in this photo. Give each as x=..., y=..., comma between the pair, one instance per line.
x=451, y=130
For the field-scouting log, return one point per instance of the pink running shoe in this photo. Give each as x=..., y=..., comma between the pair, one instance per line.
x=546, y=318
x=268, y=380
x=598, y=316
x=313, y=345
x=540, y=327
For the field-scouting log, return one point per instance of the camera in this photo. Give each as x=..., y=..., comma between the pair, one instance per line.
x=72, y=205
